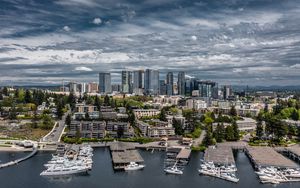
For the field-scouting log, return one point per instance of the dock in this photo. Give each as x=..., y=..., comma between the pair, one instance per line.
x=221, y=155
x=124, y=153
x=293, y=153
x=267, y=156
x=11, y=163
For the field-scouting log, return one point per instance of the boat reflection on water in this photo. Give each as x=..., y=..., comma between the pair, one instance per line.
x=64, y=178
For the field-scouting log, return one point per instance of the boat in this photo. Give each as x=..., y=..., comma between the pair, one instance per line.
x=173, y=170
x=58, y=170
x=229, y=176
x=209, y=172
x=134, y=166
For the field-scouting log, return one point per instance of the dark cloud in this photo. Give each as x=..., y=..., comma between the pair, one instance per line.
x=234, y=41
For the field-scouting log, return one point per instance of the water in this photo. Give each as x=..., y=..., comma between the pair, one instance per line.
x=27, y=173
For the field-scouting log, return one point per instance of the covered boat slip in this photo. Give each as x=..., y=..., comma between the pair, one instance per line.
x=124, y=153
x=267, y=156
x=121, y=159
x=221, y=155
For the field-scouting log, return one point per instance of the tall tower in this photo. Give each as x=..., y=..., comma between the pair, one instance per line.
x=181, y=83
x=151, y=82
x=127, y=81
x=169, y=83
x=104, y=82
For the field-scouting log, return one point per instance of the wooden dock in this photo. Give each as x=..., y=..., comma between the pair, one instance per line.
x=124, y=153
x=267, y=156
x=221, y=155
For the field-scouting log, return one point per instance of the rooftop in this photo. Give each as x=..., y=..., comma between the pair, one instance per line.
x=267, y=156
x=126, y=156
x=219, y=155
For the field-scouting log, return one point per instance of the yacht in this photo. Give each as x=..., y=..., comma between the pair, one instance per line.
x=134, y=166
x=173, y=170
x=210, y=172
x=58, y=170
x=229, y=177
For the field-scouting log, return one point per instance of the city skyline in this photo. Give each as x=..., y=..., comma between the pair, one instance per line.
x=247, y=42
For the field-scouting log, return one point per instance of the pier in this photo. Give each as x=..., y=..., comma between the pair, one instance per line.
x=122, y=154
x=267, y=156
x=221, y=155
x=293, y=153
x=11, y=163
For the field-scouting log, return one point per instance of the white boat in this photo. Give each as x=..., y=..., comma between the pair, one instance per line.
x=229, y=176
x=209, y=172
x=58, y=170
x=173, y=170
x=134, y=166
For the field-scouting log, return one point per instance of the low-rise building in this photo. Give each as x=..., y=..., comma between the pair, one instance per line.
x=87, y=129
x=139, y=113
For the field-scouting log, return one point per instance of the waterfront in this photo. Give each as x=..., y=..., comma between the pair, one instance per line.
x=27, y=173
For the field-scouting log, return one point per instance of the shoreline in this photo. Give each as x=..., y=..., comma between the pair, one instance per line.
x=14, y=149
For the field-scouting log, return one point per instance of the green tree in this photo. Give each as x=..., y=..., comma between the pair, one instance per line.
x=97, y=103
x=5, y=91
x=295, y=115
x=28, y=96
x=12, y=113
x=71, y=100
x=233, y=111
x=68, y=120
x=178, y=127
x=259, y=130
x=219, y=133
x=229, y=133
x=236, y=132
x=47, y=122
x=106, y=100
x=59, y=109
x=162, y=115
x=209, y=140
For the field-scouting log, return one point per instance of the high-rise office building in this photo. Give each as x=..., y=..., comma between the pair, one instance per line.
x=227, y=91
x=181, y=83
x=207, y=89
x=162, y=87
x=138, y=81
x=126, y=81
x=73, y=87
x=169, y=83
x=104, y=82
x=151, y=82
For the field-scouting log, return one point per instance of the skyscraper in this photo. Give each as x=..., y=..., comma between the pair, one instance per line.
x=181, y=83
x=208, y=89
x=126, y=81
x=104, y=82
x=138, y=81
x=151, y=82
x=169, y=83
x=227, y=91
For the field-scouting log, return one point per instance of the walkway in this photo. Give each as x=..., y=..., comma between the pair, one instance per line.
x=34, y=151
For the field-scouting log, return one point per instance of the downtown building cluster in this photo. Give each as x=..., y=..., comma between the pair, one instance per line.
x=149, y=82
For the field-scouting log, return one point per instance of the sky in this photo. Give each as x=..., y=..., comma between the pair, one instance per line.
x=238, y=42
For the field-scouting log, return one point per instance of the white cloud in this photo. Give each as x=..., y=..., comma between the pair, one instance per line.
x=97, y=21
x=194, y=38
x=66, y=28
x=83, y=69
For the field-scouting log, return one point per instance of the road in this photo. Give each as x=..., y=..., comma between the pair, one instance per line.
x=56, y=132
x=199, y=140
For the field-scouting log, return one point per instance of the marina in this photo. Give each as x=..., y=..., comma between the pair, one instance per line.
x=219, y=162
x=76, y=160
x=271, y=166
x=123, y=155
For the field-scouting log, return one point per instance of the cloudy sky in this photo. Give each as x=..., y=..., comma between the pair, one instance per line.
x=237, y=42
